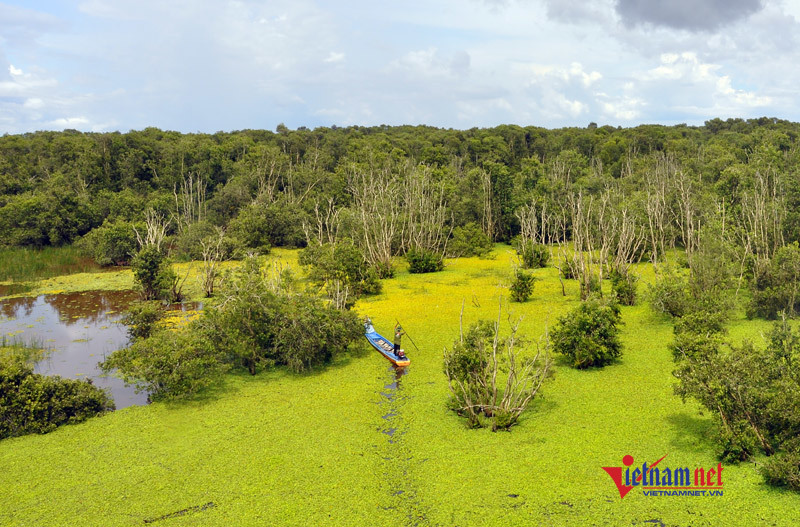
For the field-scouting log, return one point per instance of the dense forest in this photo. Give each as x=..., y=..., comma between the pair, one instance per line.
x=263, y=187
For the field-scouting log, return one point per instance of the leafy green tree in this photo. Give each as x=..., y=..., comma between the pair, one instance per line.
x=153, y=274
x=776, y=285
x=262, y=321
x=36, y=404
x=113, y=243
x=521, y=286
x=169, y=364
x=751, y=392
x=588, y=335
x=340, y=267
x=250, y=229
x=142, y=319
x=669, y=295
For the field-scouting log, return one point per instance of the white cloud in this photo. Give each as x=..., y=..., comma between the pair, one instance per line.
x=69, y=122
x=25, y=84
x=253, y=64
x=681, y=66
x=575, y=71
x=740, y=97
x=572, y=108
x=623, y=108
x=334, y=57
x=34, y=103
x=700, y=86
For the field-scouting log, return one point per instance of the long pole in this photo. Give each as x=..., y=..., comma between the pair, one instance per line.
x=407, y=335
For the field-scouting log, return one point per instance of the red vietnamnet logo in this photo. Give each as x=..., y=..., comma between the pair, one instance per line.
x=663, y=481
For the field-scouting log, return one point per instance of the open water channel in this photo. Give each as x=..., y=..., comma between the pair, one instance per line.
x=78, y=330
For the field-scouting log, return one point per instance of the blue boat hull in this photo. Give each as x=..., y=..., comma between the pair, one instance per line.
x=385, y=347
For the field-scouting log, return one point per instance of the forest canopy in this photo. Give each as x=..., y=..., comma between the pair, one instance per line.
x=264, y=187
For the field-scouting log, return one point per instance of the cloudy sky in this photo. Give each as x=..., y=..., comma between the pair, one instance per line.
x=208, y=65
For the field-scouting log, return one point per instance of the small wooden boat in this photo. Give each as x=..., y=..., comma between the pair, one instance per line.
x=383, y=345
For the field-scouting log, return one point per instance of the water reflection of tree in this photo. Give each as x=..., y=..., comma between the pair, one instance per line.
x=10, y=307
x=89, y=305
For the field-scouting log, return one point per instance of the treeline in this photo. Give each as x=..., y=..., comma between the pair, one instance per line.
x=263, y=186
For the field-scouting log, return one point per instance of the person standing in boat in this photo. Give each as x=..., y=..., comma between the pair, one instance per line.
x=398, y=336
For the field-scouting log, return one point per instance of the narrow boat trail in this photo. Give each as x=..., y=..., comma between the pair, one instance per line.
x=396, y=457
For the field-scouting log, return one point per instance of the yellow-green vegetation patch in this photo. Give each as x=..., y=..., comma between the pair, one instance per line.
x=121, y=279
x=353, y=444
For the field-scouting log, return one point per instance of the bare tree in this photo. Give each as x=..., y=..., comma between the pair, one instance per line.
x=480, y=391
x=425, y=208
x=212, y=256
x=376, y=199
x=628, y=240
x=688, y=214
x=582, y=259
x=327, y=223
x=657, y=184
x=536, y=222
x=763, y=211
x=563, y=259
x=190, y=201
x=487, y=218
x=155, y=231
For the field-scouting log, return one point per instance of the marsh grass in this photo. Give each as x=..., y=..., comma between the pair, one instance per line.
x=30, y=351
x=27, y=265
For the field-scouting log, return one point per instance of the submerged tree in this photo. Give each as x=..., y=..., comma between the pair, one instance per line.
x=490, y=381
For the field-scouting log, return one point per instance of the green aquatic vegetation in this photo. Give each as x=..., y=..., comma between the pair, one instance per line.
x=316, y=449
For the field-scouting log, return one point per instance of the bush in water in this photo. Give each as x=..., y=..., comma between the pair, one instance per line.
x=588, y=335
x=36, y=404
x=168, y=364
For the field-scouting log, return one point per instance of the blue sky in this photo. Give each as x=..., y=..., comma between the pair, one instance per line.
x=209, y=65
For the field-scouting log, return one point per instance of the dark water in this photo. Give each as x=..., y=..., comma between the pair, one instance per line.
x=79, y=329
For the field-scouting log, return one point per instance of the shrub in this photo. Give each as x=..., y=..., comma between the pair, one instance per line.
x=588, y=335
x=338, y=266
x=168, y=364
x=624, y=287
x=532, y=255
x=783, y=470
x=141, y=319
x=567, y=270
x=424, y=260
x=469, y=240
x=36, y=404
x=153, y=274
x=668, y=294
x=592, y=286
x=489, y=383
x=522, y=286
x=776, y=285
x=113, y=243
x=258, y=326
x=752, y=393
